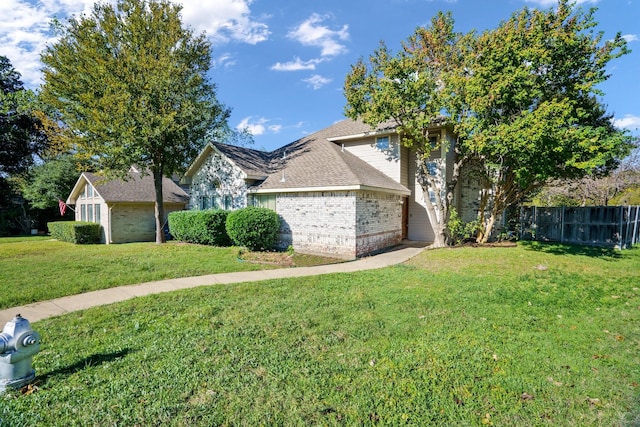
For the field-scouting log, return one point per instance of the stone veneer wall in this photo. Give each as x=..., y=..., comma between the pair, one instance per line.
x=218, y=177
x=470, y=187
x=379, y=221
x=342, y=224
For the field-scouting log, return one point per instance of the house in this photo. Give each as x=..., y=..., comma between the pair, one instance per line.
x=345, y=191
x=124, y=208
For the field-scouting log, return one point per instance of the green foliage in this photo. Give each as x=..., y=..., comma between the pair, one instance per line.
x=629, y=196
x=410, y=88
x=207, y=227
x=76, y=232
x=132, y=81
x=20, y=138
x=460, y=231
x=253, y=227
x=529, y=108
x=523, y=98
x=50, y=181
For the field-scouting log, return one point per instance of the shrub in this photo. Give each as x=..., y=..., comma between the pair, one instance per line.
x=76, y=231
x=253, y=227
x=460, y=231
x=201, y=227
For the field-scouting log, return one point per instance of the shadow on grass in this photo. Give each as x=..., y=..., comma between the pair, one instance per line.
x=564, y=249
x=93, y=360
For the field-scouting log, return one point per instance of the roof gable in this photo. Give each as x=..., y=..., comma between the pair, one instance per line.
x=253, y=163
x=310, y=162
x=137, y=188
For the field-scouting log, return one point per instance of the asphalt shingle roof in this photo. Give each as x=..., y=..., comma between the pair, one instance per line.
x=313, y=162
x=135, y=189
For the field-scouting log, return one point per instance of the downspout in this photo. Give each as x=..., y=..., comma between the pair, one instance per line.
x=109, y=240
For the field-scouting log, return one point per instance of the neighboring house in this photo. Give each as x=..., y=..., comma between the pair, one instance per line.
x=345, y=191
x=124, y=208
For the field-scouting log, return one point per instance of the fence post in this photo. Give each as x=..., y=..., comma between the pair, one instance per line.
x=621, y=221
x=635, y=227
x=562, y=225
x=628, y=225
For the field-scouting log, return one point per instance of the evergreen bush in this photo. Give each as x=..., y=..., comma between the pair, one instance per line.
x=205, y=227
x=253, y=227
x=75, y=231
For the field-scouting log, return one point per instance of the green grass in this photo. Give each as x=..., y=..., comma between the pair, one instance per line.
x=41, y=269
x=533, y=335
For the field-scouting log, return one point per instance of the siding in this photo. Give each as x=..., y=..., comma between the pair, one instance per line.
x=386, y=161
x=419, y=226
x=135, y=222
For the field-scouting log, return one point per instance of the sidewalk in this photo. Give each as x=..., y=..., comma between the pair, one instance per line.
x=44, y=309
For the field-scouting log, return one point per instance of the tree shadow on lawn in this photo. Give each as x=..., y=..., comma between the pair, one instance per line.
x=564, y=249
x=93, y=360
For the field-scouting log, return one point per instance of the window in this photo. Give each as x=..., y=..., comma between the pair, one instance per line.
x=227, y=202
x=433, y=142
x=83, y=212
x=89, y=191
x=96, y=217
x=382, y=143
x=90, y=213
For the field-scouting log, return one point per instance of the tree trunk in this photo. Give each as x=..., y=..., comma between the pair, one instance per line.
x=439, y=227
x=159, y=207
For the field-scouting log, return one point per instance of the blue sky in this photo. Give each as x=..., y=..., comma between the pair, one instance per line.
x=280, y=64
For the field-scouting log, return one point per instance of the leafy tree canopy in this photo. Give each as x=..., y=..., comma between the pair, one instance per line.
x=50, y=181
x=20, y=137
x=523, y=98
x=130, y=82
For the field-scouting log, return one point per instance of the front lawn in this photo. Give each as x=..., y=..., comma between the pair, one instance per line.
x=37, y=269
x=525, y=336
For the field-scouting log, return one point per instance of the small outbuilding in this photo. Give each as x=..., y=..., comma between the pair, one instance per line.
x=124, y=208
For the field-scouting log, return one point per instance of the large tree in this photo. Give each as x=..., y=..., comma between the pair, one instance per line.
x=410, y=89
x=20, y=137
x=529, y=106
x=130, y=82
x=522, y=98
x=21, y=143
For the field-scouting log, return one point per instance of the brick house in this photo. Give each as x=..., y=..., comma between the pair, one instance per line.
x=124, y=208
x=345, y=191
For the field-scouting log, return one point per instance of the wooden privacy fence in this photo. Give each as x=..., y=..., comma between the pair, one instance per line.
x=614, y=226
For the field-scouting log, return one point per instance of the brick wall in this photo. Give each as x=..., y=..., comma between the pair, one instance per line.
x=318, y=222
x=342, y=224
x=379, y=221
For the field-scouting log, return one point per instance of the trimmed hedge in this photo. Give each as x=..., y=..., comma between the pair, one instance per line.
x=253, y=227
x=75, y=231
x=201, y=227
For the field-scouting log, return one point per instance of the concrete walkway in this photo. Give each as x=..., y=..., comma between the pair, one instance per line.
x=44, y=309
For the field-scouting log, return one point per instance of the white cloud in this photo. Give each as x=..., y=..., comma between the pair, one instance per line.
x=224, y=61
x=317, y=81
x=25, y=27
x=296, y=65
x=311, y=33
x=631, y=38
x=629, y=121
x=258, y=126
x=225, y=19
